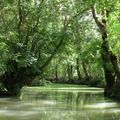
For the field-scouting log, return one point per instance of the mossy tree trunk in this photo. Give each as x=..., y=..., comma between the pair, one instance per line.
x=15, y=78
x=14, y=81
x=110, y=62
x=108, y=71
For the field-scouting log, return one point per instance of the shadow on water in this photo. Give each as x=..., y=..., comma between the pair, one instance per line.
x=60, y=104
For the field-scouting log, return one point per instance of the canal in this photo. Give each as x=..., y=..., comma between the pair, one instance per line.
x=62, y=103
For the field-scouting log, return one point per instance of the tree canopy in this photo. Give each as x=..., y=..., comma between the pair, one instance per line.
x=63, y=40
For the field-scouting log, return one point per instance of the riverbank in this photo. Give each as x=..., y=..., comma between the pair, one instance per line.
x=60, y=88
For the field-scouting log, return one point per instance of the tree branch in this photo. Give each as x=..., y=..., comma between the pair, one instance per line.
x=62, y=39
x=94, y=13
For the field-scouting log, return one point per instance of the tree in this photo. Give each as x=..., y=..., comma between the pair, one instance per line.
x=30, y=30
x=108, y=57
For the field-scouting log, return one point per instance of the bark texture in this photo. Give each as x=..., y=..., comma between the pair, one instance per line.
x=110, y=62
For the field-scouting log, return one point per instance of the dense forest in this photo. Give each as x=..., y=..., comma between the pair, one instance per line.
x=64, y=41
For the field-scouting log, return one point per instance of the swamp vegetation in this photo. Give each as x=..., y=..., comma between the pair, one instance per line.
x=62, y=41
x=59, y=59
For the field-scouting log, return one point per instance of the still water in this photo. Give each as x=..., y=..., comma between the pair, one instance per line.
x=84, y=103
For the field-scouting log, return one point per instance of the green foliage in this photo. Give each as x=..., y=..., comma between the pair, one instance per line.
x=2, y=88
x=3, y=56
x=40, y=35
x=40, y=82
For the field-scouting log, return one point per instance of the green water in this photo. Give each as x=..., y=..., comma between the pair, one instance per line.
x=71, y=103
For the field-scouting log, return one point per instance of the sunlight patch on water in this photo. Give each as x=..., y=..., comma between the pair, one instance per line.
x=48, y=102
x=113, y=110
x=102, y=105
x=77, y=90
x=17, y=113
x=72, y=88
x=35, y=89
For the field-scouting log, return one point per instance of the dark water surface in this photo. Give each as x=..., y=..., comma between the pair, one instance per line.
x=84, y=103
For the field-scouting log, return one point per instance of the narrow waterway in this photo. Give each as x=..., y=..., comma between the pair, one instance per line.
x=84, y=103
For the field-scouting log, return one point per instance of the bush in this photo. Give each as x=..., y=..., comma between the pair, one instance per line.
x=93, y=82
x=2, y=88
x=40, y=82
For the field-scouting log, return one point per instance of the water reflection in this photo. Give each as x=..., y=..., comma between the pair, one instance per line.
x=60, y=104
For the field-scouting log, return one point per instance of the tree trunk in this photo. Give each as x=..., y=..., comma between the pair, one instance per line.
x=108, y=71
x=70, y=72
x=56, y=73
x=85, y=71
x=116, y=67
x=15, y=78
x=108, y=58
x=78, y=69
x=11, y=83
x=14, y=81
x=20, y=19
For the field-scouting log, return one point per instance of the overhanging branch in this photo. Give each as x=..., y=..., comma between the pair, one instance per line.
x=62, y=39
